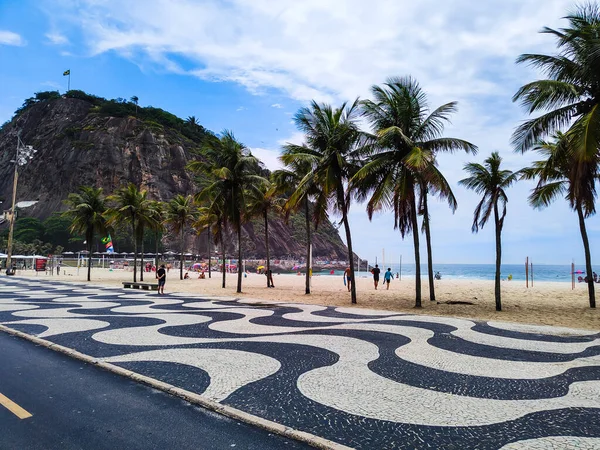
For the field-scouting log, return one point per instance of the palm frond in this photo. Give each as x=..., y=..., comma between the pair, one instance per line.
x=546, y=94
x=532, y=131
x=544, y=194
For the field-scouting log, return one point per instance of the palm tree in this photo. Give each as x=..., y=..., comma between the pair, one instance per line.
x=211, y=219
x=86, y=212
x=570, y=99
x=179, y=213
x=557, y=175
x=260, y=203
x=129, y=203
x=333, y=144
x=491, y=182
x=232, y=173
x=570, y=96
x=402, y=165
x=157, y=219
x=286, y=181
x=191, y=120
x=145, y=220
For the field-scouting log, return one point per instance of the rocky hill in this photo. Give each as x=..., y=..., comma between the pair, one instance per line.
x=85, y=140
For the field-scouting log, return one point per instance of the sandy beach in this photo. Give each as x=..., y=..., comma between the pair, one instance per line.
x=547, y=303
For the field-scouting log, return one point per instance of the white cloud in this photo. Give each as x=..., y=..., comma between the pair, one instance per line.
x=269, y=157
x=241, y=108
x=57, y=38
x=295, y=138
x=290, y=46
x=276, y=105
x=52, y=84
x=460, y=50
x=10, y=38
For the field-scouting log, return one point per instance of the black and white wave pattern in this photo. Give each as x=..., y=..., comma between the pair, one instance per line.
x=367, y=379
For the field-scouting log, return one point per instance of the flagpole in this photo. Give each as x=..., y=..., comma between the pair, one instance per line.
x=69, y=82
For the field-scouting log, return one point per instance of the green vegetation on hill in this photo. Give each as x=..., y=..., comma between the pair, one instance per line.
x=120, y=107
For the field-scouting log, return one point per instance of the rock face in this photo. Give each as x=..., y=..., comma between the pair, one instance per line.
x=78, y=146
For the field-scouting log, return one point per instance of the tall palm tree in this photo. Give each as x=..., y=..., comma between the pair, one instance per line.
x=211, y=219
x=191, y=120
x=145, y=220
x=232, y=173
x=491, y=182
x=333, y=144
x=129, y=202
x=402, y=167
x=179, y=213
x=260, y=203
x=557, y=175
x=570, y=96
x=286, y=181
x=86, y=212
x=157, y=219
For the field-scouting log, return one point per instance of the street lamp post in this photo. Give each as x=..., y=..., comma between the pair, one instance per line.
x=23, y=155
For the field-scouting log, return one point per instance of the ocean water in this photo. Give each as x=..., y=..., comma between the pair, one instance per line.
x=560, y=273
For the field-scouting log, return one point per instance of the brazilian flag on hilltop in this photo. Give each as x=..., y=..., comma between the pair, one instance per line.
x=66, y=72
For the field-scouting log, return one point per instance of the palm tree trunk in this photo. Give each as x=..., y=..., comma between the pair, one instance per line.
x=350, y=255
x=156, y=250
x=265, y=215
x=415, y=232
x=222, y=252
x=239, y=264
x=209, y=249
x=498, y=258
x=142, y=256
x=428, y=245
x=135, y=242
x=181, y=253
x=308, y=242
x=588, y=257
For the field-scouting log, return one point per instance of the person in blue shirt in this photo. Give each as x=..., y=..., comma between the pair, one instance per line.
x=387, y=277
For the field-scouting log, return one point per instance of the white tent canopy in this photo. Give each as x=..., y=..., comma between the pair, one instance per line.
x=28, y=257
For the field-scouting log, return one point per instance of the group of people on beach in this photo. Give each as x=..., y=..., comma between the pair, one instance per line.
x=375, y=271
x=585, y=280
x=387, y=277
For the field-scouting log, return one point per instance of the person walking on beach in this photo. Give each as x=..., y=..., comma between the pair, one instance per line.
x=387, y=277
x=348, y=278
x=58, y=269
x=161, y=275
x=376, y=271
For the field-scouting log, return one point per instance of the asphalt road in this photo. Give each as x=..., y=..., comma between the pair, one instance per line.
x=77, y=406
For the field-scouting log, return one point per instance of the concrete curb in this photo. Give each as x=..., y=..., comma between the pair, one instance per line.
x=191, y=397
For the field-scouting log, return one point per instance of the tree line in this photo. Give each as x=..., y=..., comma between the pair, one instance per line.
x=392, y=166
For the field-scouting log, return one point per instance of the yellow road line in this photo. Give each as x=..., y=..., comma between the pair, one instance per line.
x=13, y=407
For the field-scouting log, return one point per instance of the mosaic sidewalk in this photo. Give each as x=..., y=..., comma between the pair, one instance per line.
x=363, y=378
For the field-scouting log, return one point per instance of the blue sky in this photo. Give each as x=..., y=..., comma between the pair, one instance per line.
x=249, y=65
